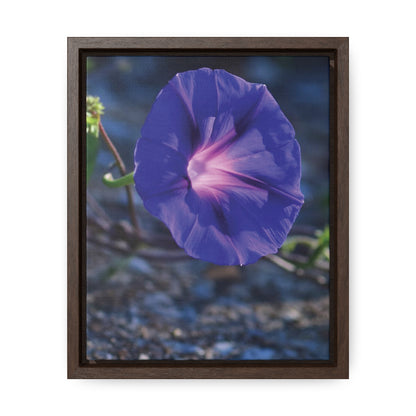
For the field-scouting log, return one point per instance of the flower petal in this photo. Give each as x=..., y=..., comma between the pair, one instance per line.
x=257, y=231
x=179, y=220
x=198, y=92
x=277, y=166
x=169, y=122
x=159, y=168
x=208, y=238
x=252, y=222
x=219, y=165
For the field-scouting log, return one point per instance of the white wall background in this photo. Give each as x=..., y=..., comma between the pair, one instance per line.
x=33, y=207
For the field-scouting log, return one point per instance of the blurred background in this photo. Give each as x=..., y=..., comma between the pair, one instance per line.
x=142, y=306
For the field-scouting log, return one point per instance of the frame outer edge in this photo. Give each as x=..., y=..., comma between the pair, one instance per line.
x=73, y=198
x=75, y=369
x=343, y=208
x=263, y=43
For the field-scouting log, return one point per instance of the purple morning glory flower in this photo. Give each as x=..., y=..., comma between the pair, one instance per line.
x=218, y=163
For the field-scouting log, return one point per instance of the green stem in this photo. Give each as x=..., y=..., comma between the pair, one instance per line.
x=123, y=171
x=117, y=183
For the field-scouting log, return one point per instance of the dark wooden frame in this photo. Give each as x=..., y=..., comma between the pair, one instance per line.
x=337, y=366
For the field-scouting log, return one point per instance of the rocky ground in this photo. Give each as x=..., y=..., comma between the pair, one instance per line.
x=138, y=310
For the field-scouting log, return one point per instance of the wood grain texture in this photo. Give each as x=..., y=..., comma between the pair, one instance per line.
x=337, y=366
x=240, y=43
x=342, y=215
x=73, y=207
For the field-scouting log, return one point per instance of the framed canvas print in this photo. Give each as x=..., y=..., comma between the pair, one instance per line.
x=208, y=207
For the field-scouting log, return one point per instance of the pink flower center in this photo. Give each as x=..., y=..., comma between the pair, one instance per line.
x=209, y=171
x=196, y=168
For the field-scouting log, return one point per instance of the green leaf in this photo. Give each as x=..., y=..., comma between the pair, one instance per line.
x=117, y=183
x=322, y=247
x=92, y=151
x=94, y=110
x=289, y=245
